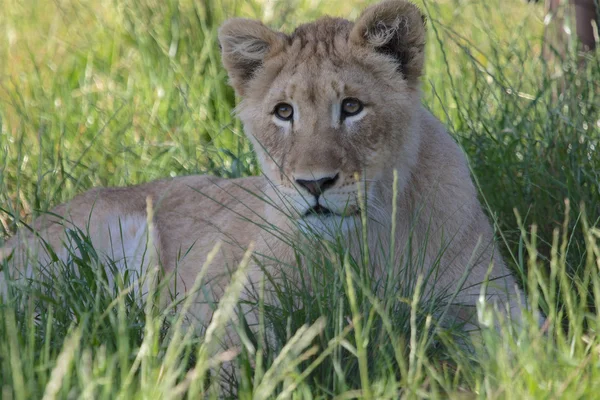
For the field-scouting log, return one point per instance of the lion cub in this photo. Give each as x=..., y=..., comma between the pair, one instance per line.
x=332, y=110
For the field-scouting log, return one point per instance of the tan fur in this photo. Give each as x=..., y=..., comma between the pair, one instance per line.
x=378, y=59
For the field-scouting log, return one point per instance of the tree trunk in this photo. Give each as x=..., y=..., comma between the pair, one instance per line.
x=586, y=16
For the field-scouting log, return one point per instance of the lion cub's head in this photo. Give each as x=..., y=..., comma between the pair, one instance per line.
x=333, y=102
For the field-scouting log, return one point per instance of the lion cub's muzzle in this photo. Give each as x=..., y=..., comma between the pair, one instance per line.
x=321, y=195
x=318, y=186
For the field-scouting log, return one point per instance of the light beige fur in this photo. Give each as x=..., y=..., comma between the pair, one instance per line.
x=379, y=60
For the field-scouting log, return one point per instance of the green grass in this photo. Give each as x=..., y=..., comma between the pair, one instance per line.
x=118, y=93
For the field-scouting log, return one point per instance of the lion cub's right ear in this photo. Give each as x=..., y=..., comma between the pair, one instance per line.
x=395, y=28
x=245, y=44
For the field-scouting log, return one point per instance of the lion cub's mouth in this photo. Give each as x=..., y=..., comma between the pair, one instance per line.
x=321, y=211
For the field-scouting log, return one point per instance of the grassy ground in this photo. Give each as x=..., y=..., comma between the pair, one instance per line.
x=115, y=93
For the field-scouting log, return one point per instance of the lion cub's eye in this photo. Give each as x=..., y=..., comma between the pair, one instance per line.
x=350, y=107
x=284, y=111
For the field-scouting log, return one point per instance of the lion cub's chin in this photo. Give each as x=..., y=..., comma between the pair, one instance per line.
x=328, y=225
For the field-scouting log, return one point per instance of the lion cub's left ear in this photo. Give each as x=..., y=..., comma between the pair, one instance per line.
x=245, y=44
x=395, y=28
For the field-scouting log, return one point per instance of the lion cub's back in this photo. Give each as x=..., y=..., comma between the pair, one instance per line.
x=191, y=211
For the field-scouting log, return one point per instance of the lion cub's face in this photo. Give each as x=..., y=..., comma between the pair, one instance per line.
x=330, y=104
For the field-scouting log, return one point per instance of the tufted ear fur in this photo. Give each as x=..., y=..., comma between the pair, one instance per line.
x=245, y=44
x=395, y=28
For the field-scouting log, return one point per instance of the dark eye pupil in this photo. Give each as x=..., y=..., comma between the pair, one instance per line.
x=284, y=111
x=351, y=107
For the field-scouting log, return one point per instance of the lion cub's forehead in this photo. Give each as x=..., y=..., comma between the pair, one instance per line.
x=325, y=40
x=319, y=63
x=309, y=81
x=321, y=83
x=324, y=37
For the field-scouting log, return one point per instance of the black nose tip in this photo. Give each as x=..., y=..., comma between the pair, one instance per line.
x=316, y=187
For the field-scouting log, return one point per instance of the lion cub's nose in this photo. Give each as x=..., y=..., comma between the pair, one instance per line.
x=316, y=187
